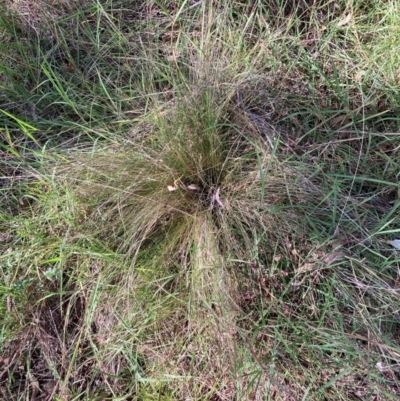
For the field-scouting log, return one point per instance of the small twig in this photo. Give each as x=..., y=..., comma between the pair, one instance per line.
x=192, y=6
x=216, y=199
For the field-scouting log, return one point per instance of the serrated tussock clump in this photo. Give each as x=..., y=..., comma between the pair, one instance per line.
x=196, y=165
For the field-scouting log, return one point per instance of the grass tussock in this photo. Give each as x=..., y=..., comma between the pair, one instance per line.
x=198, y=201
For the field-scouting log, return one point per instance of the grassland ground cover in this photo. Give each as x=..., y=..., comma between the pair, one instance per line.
x=199, y=200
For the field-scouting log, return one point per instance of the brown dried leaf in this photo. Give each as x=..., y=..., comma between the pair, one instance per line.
x=345, y=20
x=306, y=267
x=333, y=257
x=193, y=187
